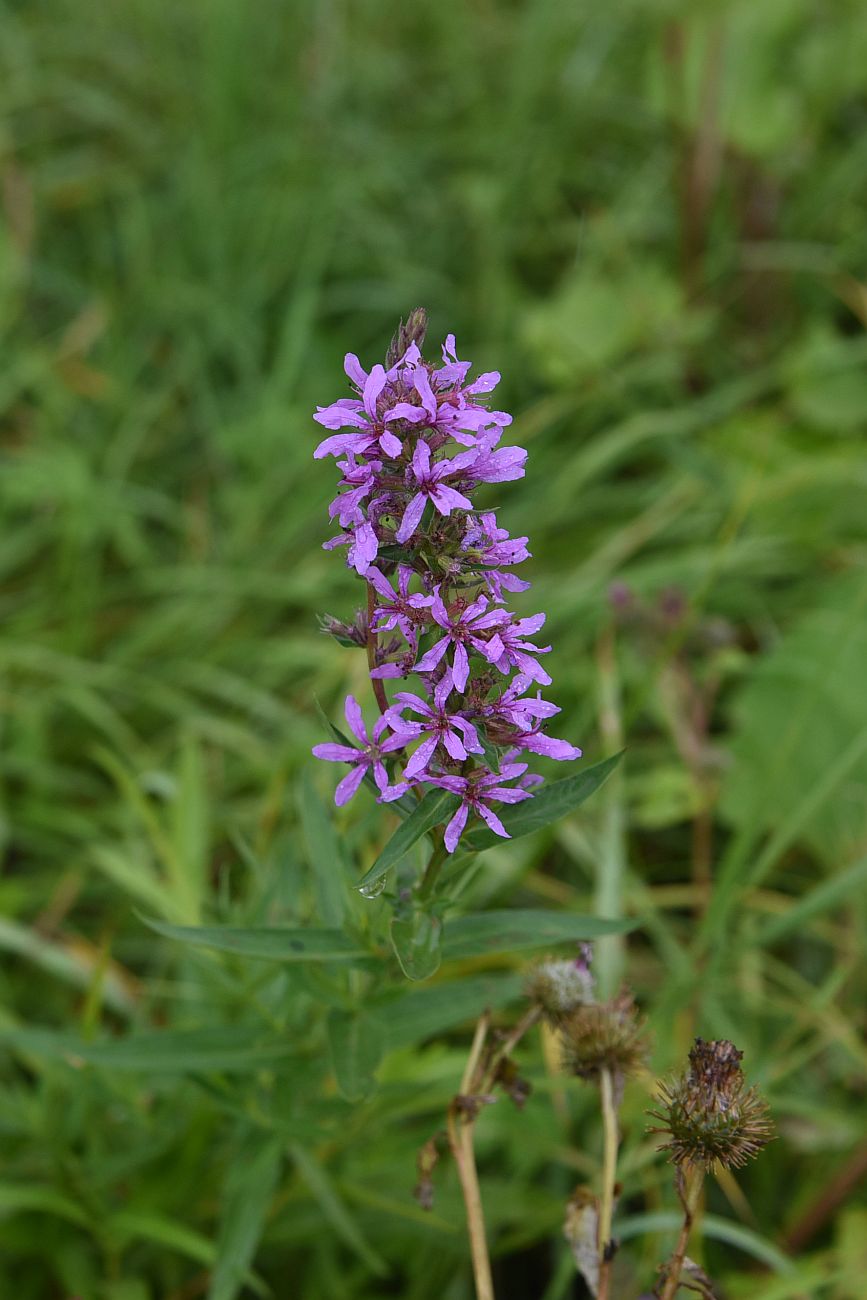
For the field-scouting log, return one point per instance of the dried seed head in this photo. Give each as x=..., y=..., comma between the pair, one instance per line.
x=604, y=1035
x=412, y=332
x=709, y=1113
x=560, y=987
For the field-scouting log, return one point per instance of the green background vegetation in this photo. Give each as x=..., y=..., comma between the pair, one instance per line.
x=651, y=218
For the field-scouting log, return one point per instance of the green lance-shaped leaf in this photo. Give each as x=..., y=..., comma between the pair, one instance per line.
x=436, y=807
x=548, y=805
x=250, y=1185
x=510, y=931
x=269, y=943
x=356, y=1041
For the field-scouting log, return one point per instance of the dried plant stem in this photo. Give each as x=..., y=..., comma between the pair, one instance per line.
x=689, y=1187
x=508, y=1045
x=460, y=1132
x=378, y=688
x=479, y=1076
x=609, y=1173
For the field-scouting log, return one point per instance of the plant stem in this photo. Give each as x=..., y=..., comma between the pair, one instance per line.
x=609, y=1175
x=689, y=1190
x=508, y=1045
x=460, y=1133
x=611, y=870
x=432, y=870
x=378, y=688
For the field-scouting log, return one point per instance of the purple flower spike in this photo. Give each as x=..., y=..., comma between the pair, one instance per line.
x=409, y=433
x=369, y=756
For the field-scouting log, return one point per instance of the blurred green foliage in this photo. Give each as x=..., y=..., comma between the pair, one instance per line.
x=650, y=217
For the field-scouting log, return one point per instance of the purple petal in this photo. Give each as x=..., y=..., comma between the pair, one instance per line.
x=446, y=499
x=373, y=386
x=420, y=757
x=493, y=821
x=421, y=460
x=380, y=776
x=429, y=661
x=391, y=445
x=411, y=516
x=380, y=582
x=355, y=371
x=335, y=753
x=345, y=414
x=338, y=443
x=504, y=794
x=355, y=719
x=550, y=747
x=485, y=383
x=404, y=411
x=364, y=549
x=423, y=388
x=461, y=669
x=455, y=828
x=443, y=690
x=453, y=745
x=350, y=783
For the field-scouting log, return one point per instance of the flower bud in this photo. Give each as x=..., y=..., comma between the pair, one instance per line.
x=412, y=332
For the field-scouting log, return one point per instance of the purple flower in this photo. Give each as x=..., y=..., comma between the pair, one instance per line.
x=360, y=478
x=516, y=719
x=463, y=628
x=516, y=652
x=477, y=791
x=369, y=756
x=429, y=482
x=453, y=731
x=363, y=546
x=367, y=415
x=397, y=608
x=489, y=547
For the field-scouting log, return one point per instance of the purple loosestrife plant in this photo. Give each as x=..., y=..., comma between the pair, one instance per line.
x=413, y=443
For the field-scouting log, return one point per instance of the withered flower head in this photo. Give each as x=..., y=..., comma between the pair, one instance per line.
x=604, y=1035
x=560, y=986
x=709, y=1113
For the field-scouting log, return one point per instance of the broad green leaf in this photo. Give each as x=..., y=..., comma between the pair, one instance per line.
x=436, y=807
x=356, y=1041
x=229, y=1049
x=430, y=1009
x=511, y=931
x=247, y=1195
x=269, y=943
x=417, y=937
x=548, y=805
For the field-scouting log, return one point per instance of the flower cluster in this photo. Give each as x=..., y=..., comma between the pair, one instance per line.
x=412, y=443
